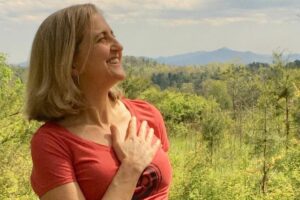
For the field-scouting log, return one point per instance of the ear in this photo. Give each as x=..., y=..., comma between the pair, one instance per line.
x=75, y=71
x=75, y=65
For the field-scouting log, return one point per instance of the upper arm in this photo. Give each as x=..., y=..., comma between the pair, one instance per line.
x=52, y=164
x=69, y=191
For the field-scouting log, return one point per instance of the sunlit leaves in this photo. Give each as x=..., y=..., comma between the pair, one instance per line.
x=15, y=135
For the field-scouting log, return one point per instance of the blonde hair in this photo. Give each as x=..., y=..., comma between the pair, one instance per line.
x=52, y=92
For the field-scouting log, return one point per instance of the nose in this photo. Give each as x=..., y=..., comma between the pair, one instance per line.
x=116, y=45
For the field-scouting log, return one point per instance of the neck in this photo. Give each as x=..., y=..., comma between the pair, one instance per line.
x=100, y=111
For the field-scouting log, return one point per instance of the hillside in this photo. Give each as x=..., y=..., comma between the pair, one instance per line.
x=220, y=55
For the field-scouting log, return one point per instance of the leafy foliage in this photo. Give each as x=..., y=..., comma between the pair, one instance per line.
x=234, y=129
x=15, y=134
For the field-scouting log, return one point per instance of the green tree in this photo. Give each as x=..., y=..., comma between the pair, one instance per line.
x=213, y=124
x=15, y=134
x=217, y=89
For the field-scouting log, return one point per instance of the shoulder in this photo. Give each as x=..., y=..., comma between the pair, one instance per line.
x=44, y=132
x=48, y=138
x=142, y=107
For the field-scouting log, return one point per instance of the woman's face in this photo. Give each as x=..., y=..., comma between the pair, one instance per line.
x=102, y=66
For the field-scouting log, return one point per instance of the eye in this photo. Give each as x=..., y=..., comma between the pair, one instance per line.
x=101, y=39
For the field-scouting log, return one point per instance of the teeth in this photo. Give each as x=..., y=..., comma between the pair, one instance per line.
x=113, y=61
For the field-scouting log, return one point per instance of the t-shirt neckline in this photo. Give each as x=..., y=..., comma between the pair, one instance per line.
x=69, y=133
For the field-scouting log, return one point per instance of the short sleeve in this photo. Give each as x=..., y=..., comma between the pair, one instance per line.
x=163, y=136
x=52, y=164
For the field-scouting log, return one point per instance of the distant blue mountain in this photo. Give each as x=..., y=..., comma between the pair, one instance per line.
x=220, y=55
x=24, y=64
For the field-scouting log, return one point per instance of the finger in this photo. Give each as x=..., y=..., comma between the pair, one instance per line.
x=156, y=145
x=150, y=135
x=115, y=135
x=131, y=130
x=142, y=132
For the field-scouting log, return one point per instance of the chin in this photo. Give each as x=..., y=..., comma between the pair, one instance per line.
x=118, y=78
x=120, y=75
x=123, y=77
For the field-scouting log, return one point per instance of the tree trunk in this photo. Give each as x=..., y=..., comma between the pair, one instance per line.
x=265, y=168
x=287, y=123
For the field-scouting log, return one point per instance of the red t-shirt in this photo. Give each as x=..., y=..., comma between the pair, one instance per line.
x=60, y=157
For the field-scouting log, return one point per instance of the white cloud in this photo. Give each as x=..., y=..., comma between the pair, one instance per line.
x=31, y=10
x=172, y=4
x=150, y=4
x=173, y=12
x=210, y=24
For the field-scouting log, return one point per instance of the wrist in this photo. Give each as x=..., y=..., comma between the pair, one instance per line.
x=132, y=169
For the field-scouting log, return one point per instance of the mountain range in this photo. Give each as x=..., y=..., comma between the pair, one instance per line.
x=220, y=55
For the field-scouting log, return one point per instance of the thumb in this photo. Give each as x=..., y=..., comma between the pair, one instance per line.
x=115, y=135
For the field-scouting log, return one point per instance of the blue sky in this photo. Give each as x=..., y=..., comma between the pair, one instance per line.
x=167, y=27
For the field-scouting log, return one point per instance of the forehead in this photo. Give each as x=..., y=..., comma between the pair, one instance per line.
x=99, y=24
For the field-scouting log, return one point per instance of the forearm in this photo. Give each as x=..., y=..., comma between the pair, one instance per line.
x=123, y=184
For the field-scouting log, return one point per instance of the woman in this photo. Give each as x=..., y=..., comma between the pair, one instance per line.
x=93, y=144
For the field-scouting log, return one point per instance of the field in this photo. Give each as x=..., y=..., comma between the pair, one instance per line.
x=234, y=130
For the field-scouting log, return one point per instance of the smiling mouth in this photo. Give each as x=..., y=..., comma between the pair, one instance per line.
x=113, y=60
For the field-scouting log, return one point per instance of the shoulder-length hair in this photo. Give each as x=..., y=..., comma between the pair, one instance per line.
x=52, y=93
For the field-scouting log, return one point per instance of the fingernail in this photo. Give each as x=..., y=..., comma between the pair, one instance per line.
x=133, y=118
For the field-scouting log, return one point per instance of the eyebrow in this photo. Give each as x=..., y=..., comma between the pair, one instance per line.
x=97, y=34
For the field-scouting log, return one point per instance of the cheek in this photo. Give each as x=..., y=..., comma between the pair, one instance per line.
x=96, y=63
x=99, y=53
